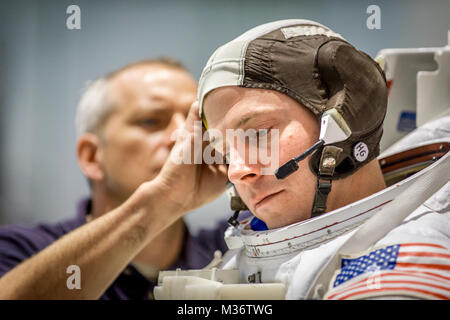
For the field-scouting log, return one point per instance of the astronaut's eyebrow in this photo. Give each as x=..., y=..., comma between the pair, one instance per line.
x=251, y=115
x=243, y=121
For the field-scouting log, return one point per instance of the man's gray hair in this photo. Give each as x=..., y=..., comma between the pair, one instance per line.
x=94, y=106
x=96, y=103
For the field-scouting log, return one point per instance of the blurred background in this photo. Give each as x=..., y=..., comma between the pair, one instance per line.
x=44, y=66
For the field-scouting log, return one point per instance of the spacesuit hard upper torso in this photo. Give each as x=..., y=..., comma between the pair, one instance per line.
x=409, y=259
x=418, y=246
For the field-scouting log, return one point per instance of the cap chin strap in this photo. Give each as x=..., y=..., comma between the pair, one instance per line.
x=236, y=204
x=328, y=162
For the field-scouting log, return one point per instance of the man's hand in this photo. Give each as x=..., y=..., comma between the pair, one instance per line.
x=191, y=185
x=102, y=248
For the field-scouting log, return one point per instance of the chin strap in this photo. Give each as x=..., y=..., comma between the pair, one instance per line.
x=328, y=162
x=233, y=220
x=236, y=205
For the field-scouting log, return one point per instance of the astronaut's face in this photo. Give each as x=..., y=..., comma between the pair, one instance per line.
x=276, y=202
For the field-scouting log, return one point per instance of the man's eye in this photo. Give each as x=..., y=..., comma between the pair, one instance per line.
x=262, y=132
x=226, y=158
x=149, y=122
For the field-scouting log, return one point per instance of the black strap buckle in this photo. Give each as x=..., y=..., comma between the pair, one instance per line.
x=323, y=188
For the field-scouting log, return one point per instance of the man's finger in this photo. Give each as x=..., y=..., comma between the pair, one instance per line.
x=192, y=117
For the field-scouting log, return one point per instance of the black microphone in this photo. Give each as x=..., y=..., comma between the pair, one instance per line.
x=333, y=128
x=291, y=166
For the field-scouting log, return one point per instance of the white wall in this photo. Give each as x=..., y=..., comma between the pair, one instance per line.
x=43, y=67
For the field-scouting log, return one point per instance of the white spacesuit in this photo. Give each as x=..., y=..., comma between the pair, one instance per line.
x=392, y=244
x=296, y=254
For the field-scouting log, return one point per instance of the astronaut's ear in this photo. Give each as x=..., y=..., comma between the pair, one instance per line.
x=89, y=156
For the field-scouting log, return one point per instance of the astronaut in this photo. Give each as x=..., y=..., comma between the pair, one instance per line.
x=336, y=220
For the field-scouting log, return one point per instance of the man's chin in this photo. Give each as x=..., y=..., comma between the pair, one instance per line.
x=276, y=217
x=271, y=216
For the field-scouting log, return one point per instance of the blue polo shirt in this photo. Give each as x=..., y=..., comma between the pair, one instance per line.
x=18, y=243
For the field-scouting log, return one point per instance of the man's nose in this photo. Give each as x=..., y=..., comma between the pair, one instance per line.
x=242, y=172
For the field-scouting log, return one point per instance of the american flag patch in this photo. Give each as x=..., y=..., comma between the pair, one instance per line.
x=420, y=270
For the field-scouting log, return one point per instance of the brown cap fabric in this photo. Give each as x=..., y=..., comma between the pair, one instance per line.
x=317, y=68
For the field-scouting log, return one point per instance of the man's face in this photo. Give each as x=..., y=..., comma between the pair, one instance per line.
x=276, y=202
x=152, y=101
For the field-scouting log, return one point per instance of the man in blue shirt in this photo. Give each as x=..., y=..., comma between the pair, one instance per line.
x=132, y=226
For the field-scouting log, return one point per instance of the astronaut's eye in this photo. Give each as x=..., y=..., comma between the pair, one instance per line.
x=226, y=158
